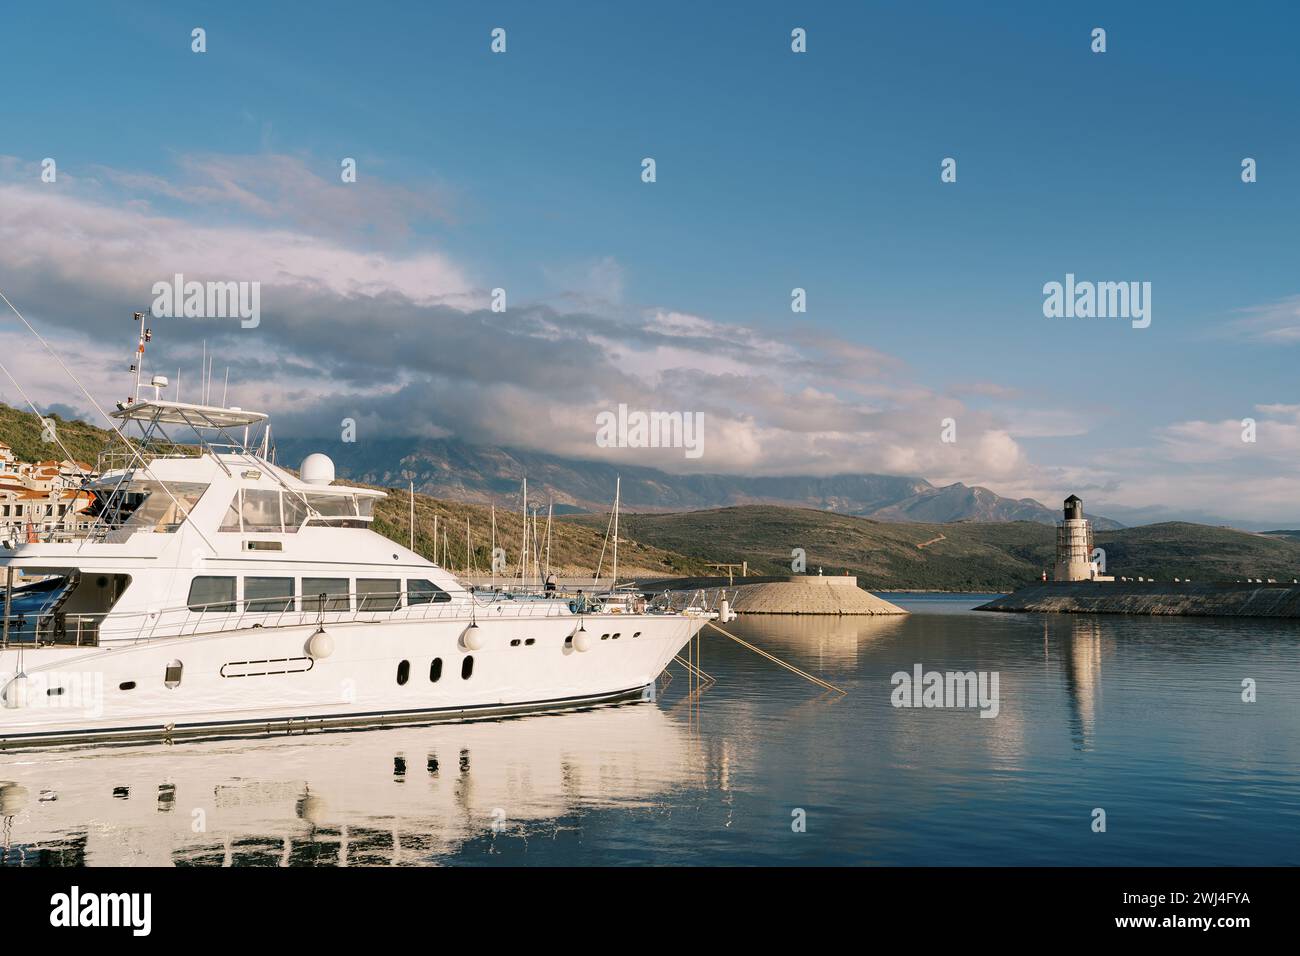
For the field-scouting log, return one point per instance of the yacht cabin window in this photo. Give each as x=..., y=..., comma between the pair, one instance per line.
x=260, y=510
x=420, y=591
x=212, y=593
x=265, y=595
x=264, y=510
x=268, y=509
x=325, y=594
x=145, y=505
x=378, y=594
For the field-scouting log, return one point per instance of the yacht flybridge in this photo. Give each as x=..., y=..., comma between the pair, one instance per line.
x=212, y=592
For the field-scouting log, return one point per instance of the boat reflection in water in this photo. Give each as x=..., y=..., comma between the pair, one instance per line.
x=380, y=797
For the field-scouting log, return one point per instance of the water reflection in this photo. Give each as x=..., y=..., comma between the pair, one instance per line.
x=1081, y=665
x=1140, y=714
x=377, y=797
x=829, y=642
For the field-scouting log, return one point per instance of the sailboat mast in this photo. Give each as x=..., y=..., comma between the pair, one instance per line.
x=523, y=550
x=412, y=516
x=550, y=509
x=494, y=547
x=617, y=488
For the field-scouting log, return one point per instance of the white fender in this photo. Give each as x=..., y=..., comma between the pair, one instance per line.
x=472, y=639
x=320, y=645
x=581, y=640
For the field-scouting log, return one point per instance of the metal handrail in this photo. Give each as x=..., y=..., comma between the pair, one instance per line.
x=219, y=616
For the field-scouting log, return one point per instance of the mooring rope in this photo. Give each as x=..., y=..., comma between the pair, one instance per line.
x=691, y=667
x=776, y=660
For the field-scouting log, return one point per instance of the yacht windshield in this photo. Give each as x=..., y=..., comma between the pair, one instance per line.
x=147, y=506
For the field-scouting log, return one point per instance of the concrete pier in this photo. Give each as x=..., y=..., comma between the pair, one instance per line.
x=1153, y=598
x=810, y=594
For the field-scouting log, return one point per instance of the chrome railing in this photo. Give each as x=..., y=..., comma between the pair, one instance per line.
x=88, y=630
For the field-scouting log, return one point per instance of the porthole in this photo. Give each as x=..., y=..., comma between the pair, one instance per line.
x=403, y=672
x=435, y=670
x=54, y=692
x=466, y=668
x=604, y=637
x=617, y=636
x=515, y=642
x=637, y=634
x=172, y=675
x=126, y=685
x=530, y=642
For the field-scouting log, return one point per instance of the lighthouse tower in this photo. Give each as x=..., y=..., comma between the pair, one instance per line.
x=1074, y=545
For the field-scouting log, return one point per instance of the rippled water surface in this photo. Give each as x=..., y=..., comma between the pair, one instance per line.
x=1140, y=717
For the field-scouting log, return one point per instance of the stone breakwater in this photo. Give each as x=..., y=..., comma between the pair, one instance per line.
x=811, y=594
x=1153, y=598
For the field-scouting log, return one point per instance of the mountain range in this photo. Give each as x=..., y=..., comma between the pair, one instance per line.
x=486, y=474
x=483, y=474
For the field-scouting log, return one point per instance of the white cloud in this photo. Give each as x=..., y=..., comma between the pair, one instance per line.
x=400, y=337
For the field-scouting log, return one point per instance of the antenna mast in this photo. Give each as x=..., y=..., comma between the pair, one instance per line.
x=138, y=365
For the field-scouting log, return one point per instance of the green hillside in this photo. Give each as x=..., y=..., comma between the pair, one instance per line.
x=961, y=556
x=22, y=431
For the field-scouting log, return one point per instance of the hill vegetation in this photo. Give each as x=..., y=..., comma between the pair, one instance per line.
x=962, y=556
x=23, y=432
x=957, y=556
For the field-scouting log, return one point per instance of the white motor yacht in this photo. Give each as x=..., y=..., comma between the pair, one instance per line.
x=213, y=592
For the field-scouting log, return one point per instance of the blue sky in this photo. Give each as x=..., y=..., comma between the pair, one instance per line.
x=775, y=170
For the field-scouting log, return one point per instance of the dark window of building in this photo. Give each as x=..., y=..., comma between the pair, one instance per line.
x=466, y=668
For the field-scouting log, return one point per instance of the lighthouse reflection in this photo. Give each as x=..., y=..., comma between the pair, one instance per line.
x=1081, y=653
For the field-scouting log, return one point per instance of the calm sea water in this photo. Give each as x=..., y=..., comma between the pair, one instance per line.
x=1140, y=717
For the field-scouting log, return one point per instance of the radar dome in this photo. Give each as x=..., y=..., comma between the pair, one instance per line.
x=317, y=469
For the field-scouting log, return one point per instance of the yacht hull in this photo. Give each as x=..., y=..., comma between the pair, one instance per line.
x=267, y=681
